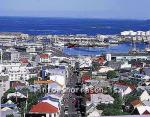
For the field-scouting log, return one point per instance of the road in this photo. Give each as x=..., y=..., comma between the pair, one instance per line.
x=69, y=97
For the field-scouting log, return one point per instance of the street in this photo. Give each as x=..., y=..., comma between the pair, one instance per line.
x=68, y=109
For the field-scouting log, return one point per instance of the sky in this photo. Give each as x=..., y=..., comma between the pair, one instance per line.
x=114, y=9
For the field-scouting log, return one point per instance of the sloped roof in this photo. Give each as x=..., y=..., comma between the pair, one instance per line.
x=44, y=107
x=136, y=102
x=43, y=55
x=6, y=108
x=125, y=84
x=146, y=113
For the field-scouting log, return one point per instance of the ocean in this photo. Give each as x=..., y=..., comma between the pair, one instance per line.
x=120, y=48
x=68, y=26
x=41, y=26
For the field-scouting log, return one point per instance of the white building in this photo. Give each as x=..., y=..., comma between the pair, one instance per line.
x=144, y=96
x=101, y=98
x=85, y=62
x=125, y=65
x=5, y=85
x=59, y=79
x=15, y=71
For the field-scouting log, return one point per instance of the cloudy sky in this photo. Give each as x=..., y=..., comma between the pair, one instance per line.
x=115, y=9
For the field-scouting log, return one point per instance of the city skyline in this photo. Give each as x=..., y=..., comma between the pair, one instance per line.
x=103, y=9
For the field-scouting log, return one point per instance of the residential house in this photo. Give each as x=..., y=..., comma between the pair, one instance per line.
x=123, y=88
x=101, y=98
x=44, y=108
x=42, y=58
x=144, y=96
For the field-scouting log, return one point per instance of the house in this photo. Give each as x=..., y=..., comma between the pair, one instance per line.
x=114, y=65
x=15, y=56
x=8, y=111
x=48, y=105
x=54, y=87
x=56, y=60
x=136, y=103
x=44, y=108
x=85, y=62
x=125, y=65
x=144, y=96
x=59, y=79
x=16, y=94
x=101, y=98
x=140, y=78
x=24, y=61
x=123, y=88
x=5, y=85
x=15, y=71
x=100, y=60
x=95, y=113
x=84, y=78
x=18, y=73
x=57, y=70
x=42, y=58
x=105, y=69
x=142, y=110
x=147, y=88
x=16, y=84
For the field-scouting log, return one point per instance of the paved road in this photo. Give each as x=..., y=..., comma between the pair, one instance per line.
x=69, y=97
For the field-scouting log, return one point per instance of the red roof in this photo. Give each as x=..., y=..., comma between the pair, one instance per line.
x=85, y=78
x=24, y=60
x=136, y=102
x=101, y=60
x=132, y=86
x=44, y=107
x=146, y=113
x=43, y=55
x=15, y=84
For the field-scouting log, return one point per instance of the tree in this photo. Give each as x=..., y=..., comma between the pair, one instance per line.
x=11, y=90
x=11, y=115
x=113, y=111
x=31, y=81
x=95, y=66
x=111, y=74
x=118, y=101
x=130, y=97
x=33, y=99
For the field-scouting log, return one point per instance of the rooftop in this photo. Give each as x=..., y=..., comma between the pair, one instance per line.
x=44, y=107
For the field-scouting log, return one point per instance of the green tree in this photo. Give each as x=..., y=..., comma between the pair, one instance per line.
x=11, y=115
x=11, y=90
x=128, y=98
x=31, y=81
x=113, y=111
x=111, y=74
x=95, y=66
x=33, y=99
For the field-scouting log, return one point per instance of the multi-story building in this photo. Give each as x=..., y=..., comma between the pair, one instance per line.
x=15, y=71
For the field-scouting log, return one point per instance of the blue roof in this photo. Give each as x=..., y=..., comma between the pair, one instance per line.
x=8, y=105
x=49, y=98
